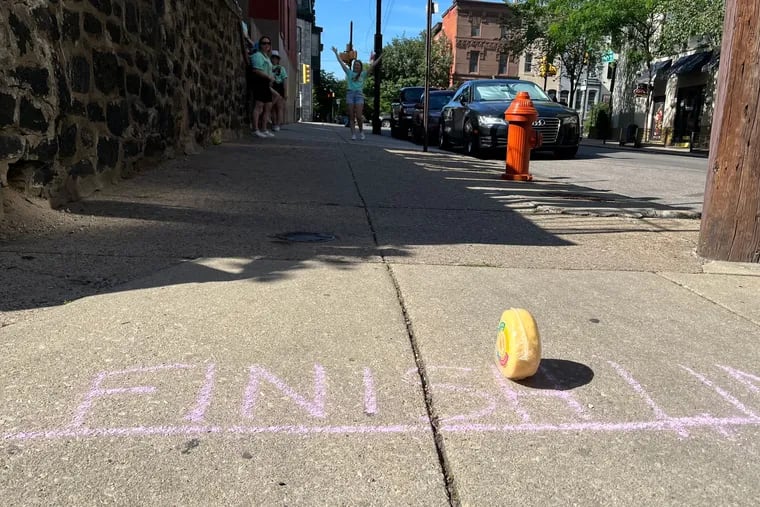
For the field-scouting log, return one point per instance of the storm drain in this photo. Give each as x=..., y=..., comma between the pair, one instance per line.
x=304, y=237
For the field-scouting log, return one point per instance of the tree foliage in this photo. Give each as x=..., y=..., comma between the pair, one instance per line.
x=695, y=18
x=573, y=31
x=403, y=64
x=328, y=84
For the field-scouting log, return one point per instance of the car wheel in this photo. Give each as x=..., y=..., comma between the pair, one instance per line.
x=566, y=153
x=443, y=139
x=386, y=124
x=471, y=140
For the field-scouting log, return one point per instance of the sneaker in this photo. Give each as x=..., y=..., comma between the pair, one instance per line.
x=353, y=137
x=259, y=133
x=268, y=133
x=276, y=128
x=361, y=136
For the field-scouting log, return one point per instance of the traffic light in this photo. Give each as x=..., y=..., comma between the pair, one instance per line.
x=546, y=68
x=305, y=73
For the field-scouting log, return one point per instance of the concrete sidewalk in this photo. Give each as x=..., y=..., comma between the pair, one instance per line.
x=171, y=344
x=650, y=148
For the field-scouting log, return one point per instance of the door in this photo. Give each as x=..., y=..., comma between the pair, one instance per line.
x=688, y=110
x=459, y=111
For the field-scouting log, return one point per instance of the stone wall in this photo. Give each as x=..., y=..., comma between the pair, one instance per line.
x=90, y=90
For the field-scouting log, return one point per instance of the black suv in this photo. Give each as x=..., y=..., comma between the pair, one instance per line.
x=402, y=110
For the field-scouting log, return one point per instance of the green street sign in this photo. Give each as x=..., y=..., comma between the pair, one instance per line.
x=609, y=57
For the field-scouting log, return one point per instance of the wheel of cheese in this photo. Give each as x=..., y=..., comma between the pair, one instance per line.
x=518, y=344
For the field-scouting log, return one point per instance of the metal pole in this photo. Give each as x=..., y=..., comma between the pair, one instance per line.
x=426, y=102
x=378, y=71
x=613, y=64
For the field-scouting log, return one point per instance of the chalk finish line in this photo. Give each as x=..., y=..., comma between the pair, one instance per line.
x=505, y=399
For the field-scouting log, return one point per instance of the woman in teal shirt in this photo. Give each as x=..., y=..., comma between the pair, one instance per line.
x=355, y=78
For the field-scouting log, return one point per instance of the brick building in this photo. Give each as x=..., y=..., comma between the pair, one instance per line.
x=474, y=29
x=290, y=24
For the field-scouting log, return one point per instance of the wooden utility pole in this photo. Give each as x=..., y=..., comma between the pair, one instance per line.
x=730, y=228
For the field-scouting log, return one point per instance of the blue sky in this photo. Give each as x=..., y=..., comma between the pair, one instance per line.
x=399, y=18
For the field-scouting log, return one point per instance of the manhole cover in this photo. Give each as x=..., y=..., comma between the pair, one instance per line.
x=304, y=237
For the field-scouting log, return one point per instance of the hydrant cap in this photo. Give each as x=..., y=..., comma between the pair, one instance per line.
x=521, y=109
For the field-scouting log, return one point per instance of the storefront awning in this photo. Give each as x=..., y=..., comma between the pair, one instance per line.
x=690, y=63
x=658, y=70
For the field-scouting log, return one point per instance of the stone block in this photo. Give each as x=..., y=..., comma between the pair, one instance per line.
x=80, y=74
x=108, y=152
x=114, y=31
x=148, y=94
x=67, y=141
x=82, y=168
x=103, y=6
x=131, y=17
x=109, y=76
x=45, y=150
x=31, y=117
x=86, y=137
x=131, y=148
x=22, y=32
x=117, y=117
x=7, y=109
x=47, y=23
x=11, y=147
x=133, y=84
x=64, y=94
x=92, y=24
x=95, y=112
x=142, y=61
x=70, y=26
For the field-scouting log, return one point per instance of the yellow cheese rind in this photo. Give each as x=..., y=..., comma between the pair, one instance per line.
x=518, y=344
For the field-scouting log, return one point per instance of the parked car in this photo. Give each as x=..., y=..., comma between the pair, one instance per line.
x=474, y=117
x=402, y=110
x=438, y=99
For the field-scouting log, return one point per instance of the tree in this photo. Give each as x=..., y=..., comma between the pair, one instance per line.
x=323, y=102
x=571, y=30
x=695, y=18
x=404, y=65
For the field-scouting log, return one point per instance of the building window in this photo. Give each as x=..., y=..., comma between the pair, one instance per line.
x=528, y=63
x=475, y=28
x=579, y=99
x=502, y=64
x=563, y=95
x=591, y=99
x=474, y=56
x=504, y=32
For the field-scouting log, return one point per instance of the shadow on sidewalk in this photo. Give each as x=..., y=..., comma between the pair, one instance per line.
x=232, y=201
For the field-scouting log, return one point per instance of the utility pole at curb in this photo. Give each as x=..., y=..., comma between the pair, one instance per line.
x=426, y=103
x=730, y=228
x=378, y=71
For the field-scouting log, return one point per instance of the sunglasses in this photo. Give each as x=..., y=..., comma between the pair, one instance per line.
x=268, y=43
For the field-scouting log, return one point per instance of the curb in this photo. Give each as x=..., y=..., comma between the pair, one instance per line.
x=666, y=151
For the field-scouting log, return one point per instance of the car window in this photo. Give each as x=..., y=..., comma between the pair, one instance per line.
x=412, y=95
x=438, y=101
x=507, y=91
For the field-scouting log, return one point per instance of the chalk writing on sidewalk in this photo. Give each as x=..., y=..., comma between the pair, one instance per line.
x=500, y=407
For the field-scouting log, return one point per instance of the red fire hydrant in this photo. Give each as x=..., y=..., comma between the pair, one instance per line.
x=521, y=138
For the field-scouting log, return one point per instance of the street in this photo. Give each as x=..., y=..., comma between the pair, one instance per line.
x=307, y=320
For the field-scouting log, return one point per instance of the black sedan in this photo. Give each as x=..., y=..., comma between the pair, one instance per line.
x=438, y=99
x=474, y=117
